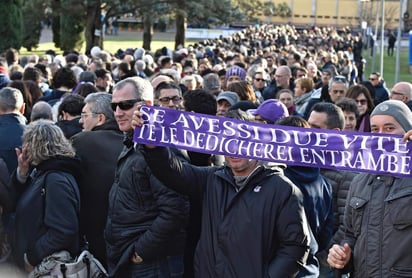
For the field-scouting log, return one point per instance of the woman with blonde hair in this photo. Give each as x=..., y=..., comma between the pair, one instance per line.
x=47, y=200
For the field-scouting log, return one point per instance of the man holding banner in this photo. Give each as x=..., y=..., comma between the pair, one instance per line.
x=378, y=221
x=253, y=220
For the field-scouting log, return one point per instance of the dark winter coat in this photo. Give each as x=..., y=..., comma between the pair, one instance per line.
x=381, y=93
x=98, y=150
x=144, y=216
x=47, y=210
x=378, y=226
x=11, y=131
x=318, y=202
x=257, y=231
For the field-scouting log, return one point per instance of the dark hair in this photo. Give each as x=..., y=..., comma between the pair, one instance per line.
x=348, y=105
x=85, y=88
x=335, y=117
x=200, y=101
x=72, y=104
x=293, y=121
x=34, y=90
x=101, y=73
x=239, y=115
x=64, y=77
x=32, y=73
x=356, y=90
x=19, y=84
x=166, y=85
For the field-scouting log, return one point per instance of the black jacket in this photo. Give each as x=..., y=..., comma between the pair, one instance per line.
x=98, y=150
x=47, y=221
x=258, y=231
x=144, y=216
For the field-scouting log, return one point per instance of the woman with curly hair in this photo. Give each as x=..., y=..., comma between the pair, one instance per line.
x=47, y=200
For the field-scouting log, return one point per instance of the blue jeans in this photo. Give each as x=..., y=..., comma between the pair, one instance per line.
x=169, y=267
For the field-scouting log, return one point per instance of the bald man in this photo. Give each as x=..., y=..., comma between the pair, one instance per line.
x=402, y=91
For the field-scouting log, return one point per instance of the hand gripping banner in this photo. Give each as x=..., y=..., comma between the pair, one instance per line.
x=352, y=151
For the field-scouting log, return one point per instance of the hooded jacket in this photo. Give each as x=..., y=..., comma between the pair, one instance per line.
x=318, y=202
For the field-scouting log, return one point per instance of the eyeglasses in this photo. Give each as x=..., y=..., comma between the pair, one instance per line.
x=372, y=79
x=259, y=79
x=84, y=115
x=125, y=104
x=396, y=93
x=361, y=101
x=166, y=100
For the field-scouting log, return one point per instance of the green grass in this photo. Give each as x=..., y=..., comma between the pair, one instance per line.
x=113, y=43
x=389, y=67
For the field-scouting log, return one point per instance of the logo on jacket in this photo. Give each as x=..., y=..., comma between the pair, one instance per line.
x=257, y=188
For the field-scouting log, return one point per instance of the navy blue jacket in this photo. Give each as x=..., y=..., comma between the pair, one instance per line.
x=11, y=131
x=47, y=221
x=257, y=231
x=318, y=202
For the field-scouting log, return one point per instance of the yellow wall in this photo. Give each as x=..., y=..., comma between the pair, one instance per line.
x=348, y=13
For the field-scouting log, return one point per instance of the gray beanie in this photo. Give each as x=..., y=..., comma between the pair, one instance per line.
x=397, y=109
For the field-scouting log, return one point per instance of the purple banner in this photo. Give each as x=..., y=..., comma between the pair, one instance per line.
x=353, y=151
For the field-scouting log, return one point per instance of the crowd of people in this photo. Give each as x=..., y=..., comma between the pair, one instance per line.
x=71, y=176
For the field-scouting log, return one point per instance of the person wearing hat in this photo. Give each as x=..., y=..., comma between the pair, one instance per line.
x=225, y=100
x=270, y=111
x=87, y=76
x=378, y=212
x=235, y=74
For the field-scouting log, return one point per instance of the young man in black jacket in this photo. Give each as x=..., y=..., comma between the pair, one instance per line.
x=253, y=220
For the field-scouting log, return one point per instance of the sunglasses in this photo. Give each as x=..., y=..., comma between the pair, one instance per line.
x=259, y=79
x=361, y=101
x=125, y=104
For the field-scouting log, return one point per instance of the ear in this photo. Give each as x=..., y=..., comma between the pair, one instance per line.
x=101, y=119
x=22, y=108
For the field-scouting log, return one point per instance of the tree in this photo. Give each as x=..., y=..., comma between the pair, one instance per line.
x=56, y=12
x=33, y=14
x=93, y=30
x=72, y=25
x=11, y=27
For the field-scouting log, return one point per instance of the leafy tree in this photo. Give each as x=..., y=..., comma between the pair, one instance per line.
x=56, y=12
x=11, y=27
x=72, y=24
x=33, y=14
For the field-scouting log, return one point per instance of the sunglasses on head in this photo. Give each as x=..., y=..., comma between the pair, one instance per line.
x=125, y=104
x=339, y=78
